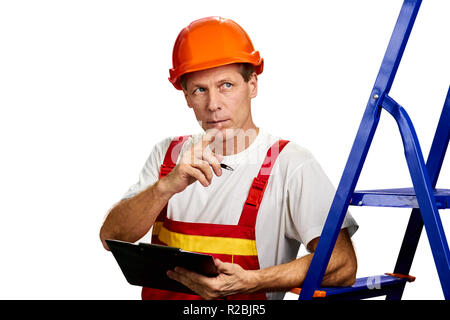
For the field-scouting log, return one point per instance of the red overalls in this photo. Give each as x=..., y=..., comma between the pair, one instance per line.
x=229, y=243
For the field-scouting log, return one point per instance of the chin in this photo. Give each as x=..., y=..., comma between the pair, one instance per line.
x=223, y=133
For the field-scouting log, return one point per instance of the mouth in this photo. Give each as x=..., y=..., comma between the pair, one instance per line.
x=216, y=122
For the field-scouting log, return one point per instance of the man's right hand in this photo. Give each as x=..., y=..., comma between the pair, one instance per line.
x=132, y=218
x=197, y=163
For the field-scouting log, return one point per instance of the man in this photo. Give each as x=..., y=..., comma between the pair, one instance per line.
x=252, y=219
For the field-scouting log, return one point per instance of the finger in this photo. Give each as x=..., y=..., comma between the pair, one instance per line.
x=180, y=278
x=219, y=157
x=211, y=134
x=205, y=140
x=194, y=281
x=205, y=168
x=193, y=276
x=217, y=262
x=213, y=162
x=224, y=267
x=198, y=175
x=221, y=266
x=197, y=151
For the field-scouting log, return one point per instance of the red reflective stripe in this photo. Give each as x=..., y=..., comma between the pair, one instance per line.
x=258, y=187
x=210, y=229
x=157, y=294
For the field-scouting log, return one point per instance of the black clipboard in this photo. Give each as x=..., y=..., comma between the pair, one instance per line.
x=146, y=264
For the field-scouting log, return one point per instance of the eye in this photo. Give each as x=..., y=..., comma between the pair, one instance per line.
x=227, y=85
x=199, y=90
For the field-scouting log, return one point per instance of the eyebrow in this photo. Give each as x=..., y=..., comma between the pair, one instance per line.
x=199, y=84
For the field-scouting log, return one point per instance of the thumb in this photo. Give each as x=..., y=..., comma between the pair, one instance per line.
x=217, y=262
x=222, y=267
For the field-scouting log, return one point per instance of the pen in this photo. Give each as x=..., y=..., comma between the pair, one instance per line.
x=226, y=167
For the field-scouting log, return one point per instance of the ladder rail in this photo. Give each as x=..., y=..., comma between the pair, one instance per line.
x=440, y=142
x=415, y=224
x=407, y=250
x=424, y=190
x=396, y=46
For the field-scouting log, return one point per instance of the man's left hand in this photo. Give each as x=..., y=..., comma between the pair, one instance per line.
x=232, y=279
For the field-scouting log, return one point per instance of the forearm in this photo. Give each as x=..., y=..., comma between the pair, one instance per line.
x=341, y=269
x=131, y=219
x=284, y=277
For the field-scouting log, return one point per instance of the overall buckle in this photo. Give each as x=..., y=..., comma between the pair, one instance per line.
x=256, y=192
x=165, y=169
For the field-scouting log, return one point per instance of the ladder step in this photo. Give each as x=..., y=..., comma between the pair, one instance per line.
x=400, y=198
x=364, y=288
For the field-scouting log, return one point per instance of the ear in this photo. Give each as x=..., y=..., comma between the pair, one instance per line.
x=253, y=84
x=186, y=96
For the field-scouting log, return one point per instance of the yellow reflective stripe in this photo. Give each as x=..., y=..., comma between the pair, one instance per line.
x=206, y=244
x=157, y=227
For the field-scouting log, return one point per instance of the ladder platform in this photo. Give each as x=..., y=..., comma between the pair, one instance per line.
x=363, y=288
x=367, y=287
x=400, y=198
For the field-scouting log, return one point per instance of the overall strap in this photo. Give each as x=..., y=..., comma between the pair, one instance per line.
x=168, y=164
x=259, y=184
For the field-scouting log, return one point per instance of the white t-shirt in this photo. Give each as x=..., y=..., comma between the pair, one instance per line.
x=292, y=212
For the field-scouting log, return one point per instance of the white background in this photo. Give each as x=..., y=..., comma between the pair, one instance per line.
x=84, y=96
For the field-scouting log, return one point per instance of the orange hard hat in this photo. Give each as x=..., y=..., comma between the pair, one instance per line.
x=211, y=42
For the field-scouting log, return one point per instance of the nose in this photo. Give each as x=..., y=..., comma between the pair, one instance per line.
x=213, y=101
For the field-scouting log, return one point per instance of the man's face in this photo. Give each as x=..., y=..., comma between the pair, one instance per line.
x=221, y=98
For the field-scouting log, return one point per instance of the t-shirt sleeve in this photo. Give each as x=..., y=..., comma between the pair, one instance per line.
x=150, y=172
x=310, y=194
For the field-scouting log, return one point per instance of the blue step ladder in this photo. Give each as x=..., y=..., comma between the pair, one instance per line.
x=424, y=199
